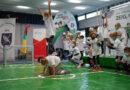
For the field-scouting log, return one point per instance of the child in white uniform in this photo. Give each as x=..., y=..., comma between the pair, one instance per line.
x=105, y=35
x=47, y=17
x=79, y=43
x=95, y=51
x=66, y=46
x=76, y=56
x=53, y=65
x=119, y=47
x=48, y=20
x=121, y=32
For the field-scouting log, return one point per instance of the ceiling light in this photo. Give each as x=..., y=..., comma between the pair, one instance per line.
x=80, y=8
x=52, y=3
x=54, y=11
x=75, y=1
x=105, y=0
x=23, y=7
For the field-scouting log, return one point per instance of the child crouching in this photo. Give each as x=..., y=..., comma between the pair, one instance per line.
x=126, y=60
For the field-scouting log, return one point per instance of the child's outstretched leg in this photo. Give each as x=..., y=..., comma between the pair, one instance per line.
x=65, y=72
x=98, y=64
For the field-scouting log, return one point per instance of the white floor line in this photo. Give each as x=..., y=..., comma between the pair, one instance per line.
x=30, y=66
x=72, y=76
x=21, y=67
x=13, y=79
x=116, y=73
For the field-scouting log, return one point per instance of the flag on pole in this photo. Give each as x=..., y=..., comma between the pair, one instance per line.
x=24, y=49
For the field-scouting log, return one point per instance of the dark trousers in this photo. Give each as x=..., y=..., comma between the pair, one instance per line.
x=118, y=64
x=126, y=67
x=58, y=70
x=82, y=58
x=102, y=47
x=96, y=58
x=76, y=61
x=65, y=53
x=81, y=55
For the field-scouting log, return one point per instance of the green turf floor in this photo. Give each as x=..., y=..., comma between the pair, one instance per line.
x=24, y=77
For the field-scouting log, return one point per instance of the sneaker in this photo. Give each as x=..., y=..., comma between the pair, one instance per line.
x=93, y=68
x=102, y=55
x=89, y=67
x=127, y=73
x=98, y=68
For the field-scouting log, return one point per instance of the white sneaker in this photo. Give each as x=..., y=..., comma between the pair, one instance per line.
x=102, y=54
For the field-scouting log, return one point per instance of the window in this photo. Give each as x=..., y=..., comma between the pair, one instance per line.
x=93, y=14
x=81, y=17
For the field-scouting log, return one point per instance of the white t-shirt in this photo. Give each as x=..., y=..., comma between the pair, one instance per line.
x=100, y=34
x=95, y=48
x=75, y=50
x=89, y=52
x=126, y=59
x=66, y=44
x=80, y=44
x=70, y=45
x=53, y=60
x=105, y=33
x=49, y=26
x=123, y=32
x=119, y=46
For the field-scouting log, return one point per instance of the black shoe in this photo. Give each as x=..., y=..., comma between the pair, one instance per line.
x=89, y=67
x=83, y=64
x=127, y=73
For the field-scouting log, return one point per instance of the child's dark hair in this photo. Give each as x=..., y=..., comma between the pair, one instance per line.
x=82, y=36
x=92, y=34
x=74, y=42
x=39, y=59
x=127, y=49
x=95, y=27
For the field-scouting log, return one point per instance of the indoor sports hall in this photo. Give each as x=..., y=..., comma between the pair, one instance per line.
x=64, y=44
